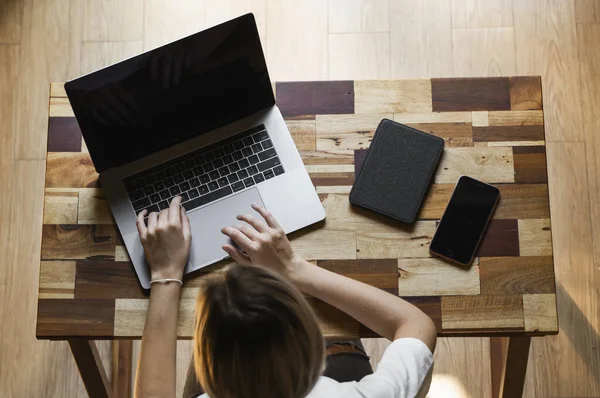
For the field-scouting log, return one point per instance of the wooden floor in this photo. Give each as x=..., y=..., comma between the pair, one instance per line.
x=55, y=40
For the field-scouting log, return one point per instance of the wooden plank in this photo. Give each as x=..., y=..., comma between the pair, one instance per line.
x=90, y=368
x=130, y=317
x=535, y=237
x=121, y=253
x=59, y=318
x=11, y=17
x=374, y=62
x=332, y=178
x=57, y=279
x=327, y=157
x=60, y=205
x=392, y=96
x=454, y=134
x=587, y=11
x=78, y=242
x=481, y=13
x=482, y=312
x=435, y=277
x=358, y=16
x=481, y=118
x=118, y=20
x=508, y=133
x=57, y=90
x=98, y=55
x=60, y=107
x=330, y=242
x=530, y=164
x=501, y=239
x=160, y=15
x=516, y=275
x=93, y=207
x=510, y=143
x=380, y=242
x=433, y=117
x=516, y=118
x=106, y=280
x=315, y=98
x=540, y=312
x=525, y=93
x=379, y=273
x=470, y=94
x=515, y=366
x=225, y=10
x=303, y=133
x=492, y=165
x=70, y=170
x=334, y=322
x=484, y=51
x=64, y=135
x=346, y=132
x=122, y=352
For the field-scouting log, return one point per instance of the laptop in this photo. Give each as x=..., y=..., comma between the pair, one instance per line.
x=196, y=118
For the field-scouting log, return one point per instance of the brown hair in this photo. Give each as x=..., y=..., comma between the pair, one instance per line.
x=256, y=336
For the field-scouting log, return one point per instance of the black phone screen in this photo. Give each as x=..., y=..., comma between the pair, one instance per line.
x=464, y=220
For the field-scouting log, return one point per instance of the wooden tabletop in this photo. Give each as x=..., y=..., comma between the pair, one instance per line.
x=493, y=128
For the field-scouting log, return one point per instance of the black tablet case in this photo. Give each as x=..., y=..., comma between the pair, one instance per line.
x=396, y=171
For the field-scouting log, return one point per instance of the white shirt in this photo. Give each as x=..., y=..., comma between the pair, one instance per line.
x=401, y=373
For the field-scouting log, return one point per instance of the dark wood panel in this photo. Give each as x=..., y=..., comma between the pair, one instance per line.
x=90, y=368
x=526, y=93
x=501, y=239
x=470, y=94
x=75, y=242
x=530, y=164
x=64, y=135
x=330, y=179
x=315, y=98
x=379, y=273
x=522, y=201
x=71, y=318
x=500, y=312
x=514, y=275
x=455, y=134
x=122, y=358
x=508, y=133
x=70, y=170
x=106, y=280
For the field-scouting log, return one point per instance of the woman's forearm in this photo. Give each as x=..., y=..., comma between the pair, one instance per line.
x=384, y=313
x=156, y=368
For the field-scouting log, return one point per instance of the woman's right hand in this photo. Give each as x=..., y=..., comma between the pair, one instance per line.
x=263, y=242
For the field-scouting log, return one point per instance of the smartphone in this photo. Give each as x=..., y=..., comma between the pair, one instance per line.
x=462, y=226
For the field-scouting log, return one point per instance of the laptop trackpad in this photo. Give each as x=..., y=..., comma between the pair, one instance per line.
x=207, y=222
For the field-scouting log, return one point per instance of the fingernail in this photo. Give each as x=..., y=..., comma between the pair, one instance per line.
x=255, y=205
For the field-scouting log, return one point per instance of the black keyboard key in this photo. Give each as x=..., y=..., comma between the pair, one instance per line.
x=248, y=141
x=262, y=135
x=223, y=171
x=232, y=178
x=238, y=186
x=227, y=159
x=194, y=182
x=278, y=170
x=219, y=152
x=249, y=182
x=252, y=170
x=267, y=144
x=234, y=167
x=163, y=205
x=213, y=185
x=269, y=153
x=218, y=163
x=253, y=159
x=179, y=167
x=222, y=182
x=209, y=157
x=169, y=172
x=228, y=149
x=214, y=175
x=203, y=190
x=159, y=186
x=184, y=197
x=237, y=155
x=160, y=175
x=168, y=182
x=178, y=179
x=246, y=152
x=204, y=178
x=198, y=171
x=130, y=187
x=244, y=163
x=155, y=198
x=142, y=203
x=150, y=179
x=211, y=197
x=269, y=174
x=238, y=145
x=174, y=190
x=165, y=194
x=208, y=167
x=256, y=148
x=135, y=195
x=148, y=190
x=153, y=208
x=259, y=178
x=268, y=164
x=193, y=193
x=188, y=175
x=243, y=174
x=185, y=186
x=141, y=183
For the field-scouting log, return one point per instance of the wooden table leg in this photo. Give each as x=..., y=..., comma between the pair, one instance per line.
x=509, y=357
x=122, y=352
x=90, y=367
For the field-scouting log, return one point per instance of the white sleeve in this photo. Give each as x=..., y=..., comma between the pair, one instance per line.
x=401, y=372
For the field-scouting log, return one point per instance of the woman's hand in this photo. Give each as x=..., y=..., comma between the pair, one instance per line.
x=263, y=241
x=166, y=240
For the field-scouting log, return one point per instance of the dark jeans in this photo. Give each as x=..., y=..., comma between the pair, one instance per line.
x=342, y=367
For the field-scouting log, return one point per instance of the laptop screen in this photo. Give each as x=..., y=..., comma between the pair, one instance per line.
x=175, y=92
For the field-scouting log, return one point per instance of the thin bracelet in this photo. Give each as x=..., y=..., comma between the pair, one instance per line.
x=167, y=280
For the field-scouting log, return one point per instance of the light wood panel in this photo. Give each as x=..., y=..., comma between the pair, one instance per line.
x=96, y=55
x=539, y=310
x=482, y=13
x=411, y=96
x=223, y=10
x=60, y=205
x=168, y=20
x=587, y=11
x=483, y=52
x=359, y=56
x=437, y=277
x=113, y=20
x=354, y=16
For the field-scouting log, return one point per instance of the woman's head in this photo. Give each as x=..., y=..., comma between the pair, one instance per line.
x=256, y=336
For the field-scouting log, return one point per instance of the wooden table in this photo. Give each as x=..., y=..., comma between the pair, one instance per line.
x=493, y=128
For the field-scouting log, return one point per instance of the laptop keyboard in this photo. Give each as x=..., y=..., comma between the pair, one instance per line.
x=207, y=175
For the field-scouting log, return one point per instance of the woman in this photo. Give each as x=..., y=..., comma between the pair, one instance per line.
x=256, y=335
